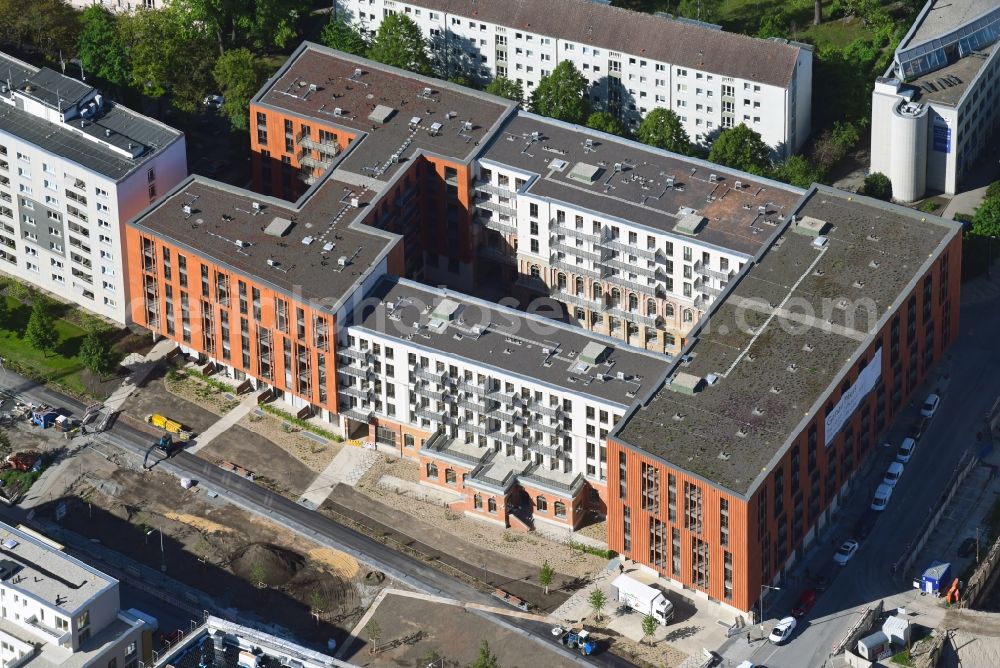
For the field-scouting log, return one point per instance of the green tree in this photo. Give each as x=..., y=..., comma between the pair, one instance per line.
x=545, y=574
x=96, y=354
x=337, y=34
x=562, y=94
x=461, y=80
x=41, y=331
x=374, y=632
x=605, y=121
x=986, y=219
x=648, y=626
x=741, y=148
x=504, y=87
x=257, y=24
x=100, y=47
x=317, y=601
x=597, y=601
x=239, y=74
x=51, y=27
x=258, y=574
x=662, y=128
x=845, y=134
x=993, y=190
x=168, y=53
x=879, y=186
x=798, y=171
x=702, y=10
x=5, y=445
x=4, y=313
x=774, y=23
x=400, y=43
x=486, y=658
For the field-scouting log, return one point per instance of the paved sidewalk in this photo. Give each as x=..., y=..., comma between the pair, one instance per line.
x=227, y=421
x=347, y=467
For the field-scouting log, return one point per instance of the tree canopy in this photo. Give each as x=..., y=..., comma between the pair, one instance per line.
x=798, y=171
x=168, y=54
x=662, y=128
x=605, y=121
x=96, y=354
x=100, y=46
x=504, y=87
x=51, y=26
x=400, y=43
x=879, y=186
x=741, y=148
x=561, y=94
x=239, y=75
x=337, y=34
x=257, y=24
x=41, y=331
x=486, y=658
x=986, y=219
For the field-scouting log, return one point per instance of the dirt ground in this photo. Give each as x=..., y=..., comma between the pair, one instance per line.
x=428, y=632
x=219, y=549
x=309, y=451
x=249, y=447
x=531, y=548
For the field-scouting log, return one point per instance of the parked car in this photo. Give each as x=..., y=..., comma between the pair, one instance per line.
x=881, y=499
x=214, y=101
x=930, y=406
x=863, y=527
x=846, y=551
x=918, y=428
x=782, y=631
x=807, y=599
x=893, y=474
x=967, y=548
x=906, y=449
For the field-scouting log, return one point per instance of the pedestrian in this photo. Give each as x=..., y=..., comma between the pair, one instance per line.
x=621, y=567
x=748, y=638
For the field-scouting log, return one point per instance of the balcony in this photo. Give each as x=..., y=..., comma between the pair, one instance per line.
x=497, y=225
x=632, y=316
x=354, y=354
x=495, y=254
x=427, y=374
x=362, y=415
x=485, y=187
x=712, y=273
x=629, y=267
x=578, y=251
x=354, y=371
x=425, y=391
x=324, y=145
x=350, y=391
x=577, y=269
x=622, y=247
x=497, y=207
x=577, y=300
x=561, y=227
x=629, y=283
x=308, y=161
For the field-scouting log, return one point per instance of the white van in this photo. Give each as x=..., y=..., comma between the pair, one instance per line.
x=893, y=474
x=882, y=496
x=905, y=450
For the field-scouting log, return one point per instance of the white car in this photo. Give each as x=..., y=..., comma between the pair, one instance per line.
x=846, y=551
x=906, y=449
x=782, y=631
x=930, y=406
x=882, y=495
x=893, y=474
x=214, y=101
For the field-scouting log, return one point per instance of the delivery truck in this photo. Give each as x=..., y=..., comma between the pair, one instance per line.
x=643, y=599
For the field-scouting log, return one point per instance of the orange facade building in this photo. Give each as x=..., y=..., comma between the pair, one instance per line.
x=722, y=478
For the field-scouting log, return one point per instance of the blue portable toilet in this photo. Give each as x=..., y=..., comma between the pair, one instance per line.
x=935, y=578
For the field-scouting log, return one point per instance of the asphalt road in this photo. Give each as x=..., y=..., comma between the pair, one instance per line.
x=259, y=500
x=972, y=388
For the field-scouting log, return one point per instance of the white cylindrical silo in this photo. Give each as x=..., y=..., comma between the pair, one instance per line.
x=908, y=139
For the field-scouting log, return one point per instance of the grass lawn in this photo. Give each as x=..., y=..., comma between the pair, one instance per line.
x=61, y=366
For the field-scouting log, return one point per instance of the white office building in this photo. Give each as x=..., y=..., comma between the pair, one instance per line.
x=58, y=612
x=73, y=168
x=937, y=106
x=635, y=62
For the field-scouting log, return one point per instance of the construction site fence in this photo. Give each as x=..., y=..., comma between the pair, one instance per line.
x=979, y=581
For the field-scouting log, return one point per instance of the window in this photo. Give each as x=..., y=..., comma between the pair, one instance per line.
x=491, y=506
x=449, y=476
x=541, y=504
x=432, y=470
x=560, y=509
x=477, y=501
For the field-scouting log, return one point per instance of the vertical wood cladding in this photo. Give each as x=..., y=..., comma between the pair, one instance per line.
x=194, y=301
x=766, y=530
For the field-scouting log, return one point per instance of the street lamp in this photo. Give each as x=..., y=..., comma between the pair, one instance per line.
x=760, y=602
x=163, y=556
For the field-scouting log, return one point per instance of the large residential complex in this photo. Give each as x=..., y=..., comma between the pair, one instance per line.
x=704, y=329
x=60, y=613
x=634, y=62
x=938, y=105
x=73, y=168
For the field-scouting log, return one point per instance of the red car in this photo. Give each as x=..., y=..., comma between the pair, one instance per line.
x=807, y=599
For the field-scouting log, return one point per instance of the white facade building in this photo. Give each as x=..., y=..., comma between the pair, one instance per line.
x=938, y=104
x=634, y=62
x=58, y=612
x=73, y=168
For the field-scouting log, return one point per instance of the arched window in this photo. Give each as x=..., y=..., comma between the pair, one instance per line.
x=541, y=505
x=669, y=310
x=449, y=476
x=560, y=509
x=598, y=293
x=491, y=505
x=561, y=281
x=579, y=285
x=633, y=303
x=432, y=470
x=535, y=273
x=477, y=501
x=688, y=316
x=650, y=307
x=616, y=297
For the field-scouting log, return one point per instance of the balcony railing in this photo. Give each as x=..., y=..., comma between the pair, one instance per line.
x=577, y=300
x=632, y=316
x=578, y=251
x=622, y=247
x=496, y=206
x=562, y=227
x=484, y=187
x=578, y=269
x=629, y=267
x=498, y=225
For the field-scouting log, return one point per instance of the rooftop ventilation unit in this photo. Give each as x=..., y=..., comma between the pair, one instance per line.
x=328, y=246
x=713, y=178
x=558, y=165
x=342, y=260
x=381, y=114
x=762, y=210
x=435, y=129
x=271, y=262
x=278, y=227
x=536, y=136
x=738, y=185
x=255, y=206
x=358, y=72
x=820, y=242
x=810, y=227
x=307, y=240
x=584, y=172
x=337, y=111
x=186, y=209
